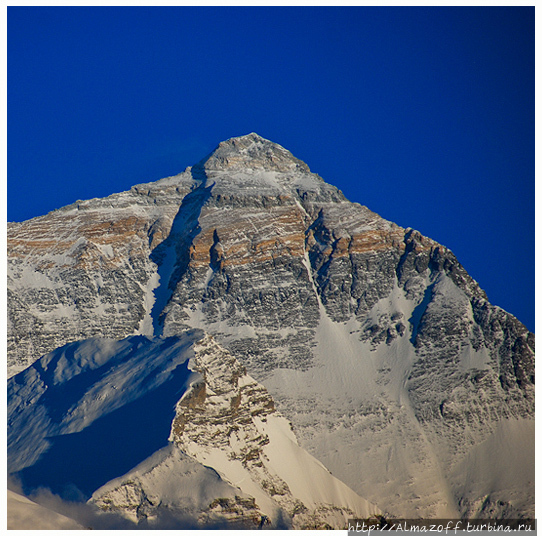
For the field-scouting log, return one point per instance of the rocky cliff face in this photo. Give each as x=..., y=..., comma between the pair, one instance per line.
x=373, y=340
x=229, y=421
x=85, y=270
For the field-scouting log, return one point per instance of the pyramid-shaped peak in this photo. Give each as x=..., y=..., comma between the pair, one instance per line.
x=253, y=137
x=251, y=151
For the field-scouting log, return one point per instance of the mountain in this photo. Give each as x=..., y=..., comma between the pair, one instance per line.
x=152, y=426
x=396, y=372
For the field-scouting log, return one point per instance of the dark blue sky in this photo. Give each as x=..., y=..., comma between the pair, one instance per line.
x=425, y=115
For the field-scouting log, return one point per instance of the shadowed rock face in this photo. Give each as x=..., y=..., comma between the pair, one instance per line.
x=252, y=247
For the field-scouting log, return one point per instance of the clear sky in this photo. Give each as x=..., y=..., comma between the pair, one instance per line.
x=425, y=115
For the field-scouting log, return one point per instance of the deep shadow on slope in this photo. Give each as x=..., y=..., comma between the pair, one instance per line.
x=77, y=464
x=172, y=256
x=62, y=395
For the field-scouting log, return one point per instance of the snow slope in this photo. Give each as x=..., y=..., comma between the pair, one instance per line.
x=72, y=414
x=167, y=482
x=24, y=514
x=364, y=421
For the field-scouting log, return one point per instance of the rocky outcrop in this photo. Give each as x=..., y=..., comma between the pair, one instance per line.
x=228, y=421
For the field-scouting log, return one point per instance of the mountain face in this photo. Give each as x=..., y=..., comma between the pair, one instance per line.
x=393, y=368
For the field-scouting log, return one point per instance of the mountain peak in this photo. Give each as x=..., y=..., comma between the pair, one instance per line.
x=251, y=151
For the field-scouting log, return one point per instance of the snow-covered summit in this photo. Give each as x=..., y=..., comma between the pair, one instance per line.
x=249, y=166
